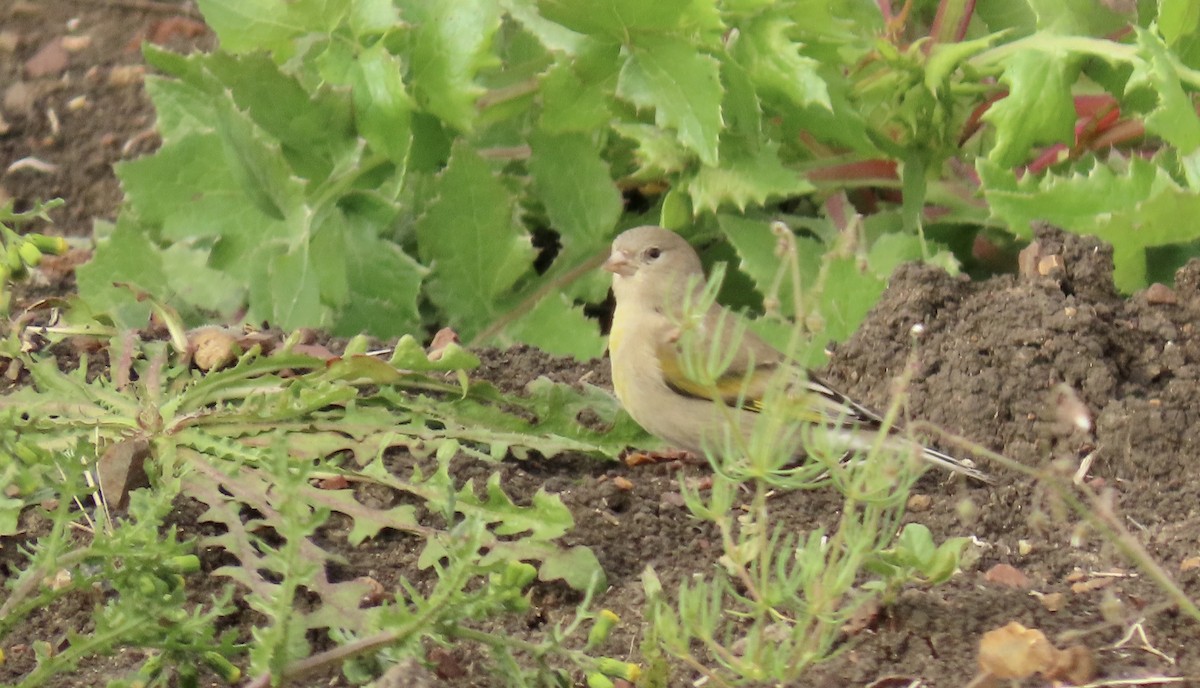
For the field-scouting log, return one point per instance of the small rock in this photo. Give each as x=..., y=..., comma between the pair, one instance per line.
x=19, y=98
x=1007, y=576
x=51, y=60
x=9, y=41
x=75, y=44
x=919, y=502
x=126, y=75
x=1160, y=294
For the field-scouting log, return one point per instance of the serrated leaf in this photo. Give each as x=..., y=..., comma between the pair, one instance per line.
x=450, y=42
x=554, y=36
x=1174, y=118
x=1038, y=109
x=367, y=521
x=575, y=186
x=745, y=177
x=314, y=128
x=683, y=86
x=756, y=250
x=773, y=60
x=658, y=152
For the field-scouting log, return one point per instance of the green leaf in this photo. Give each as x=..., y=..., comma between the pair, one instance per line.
x=575, y=186
x=450, y=42
x=1136, y=208
x=314, y=129
x=774, y=61
x=382, y=107
x=617, y=19
x=1077, y=17
x=472, y=242
x=294, y=295
x=558, y=326
x=248, y=25
x=568, y=104
x=1177, y=19
x=385, y=285
x=683, y=86
x=658, y=152
x=577, y=566
x=1038, y=108
x=847, y=295
x=125, y=255
x=1174, y=119
x=745, y=177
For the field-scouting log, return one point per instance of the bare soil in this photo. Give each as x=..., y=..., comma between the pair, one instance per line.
x=1001, y=362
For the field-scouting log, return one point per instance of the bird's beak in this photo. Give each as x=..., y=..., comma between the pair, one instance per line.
x=620, y=263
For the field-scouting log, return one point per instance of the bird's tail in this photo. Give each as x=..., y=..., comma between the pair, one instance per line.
x=948, y=462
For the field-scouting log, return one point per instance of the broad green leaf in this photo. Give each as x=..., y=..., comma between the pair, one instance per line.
x=558, y=326
x=1078, y=17
x=568, y=104
x=472, y=242
x=257, y=165
x=292, y=290
x=190, y=278
x=578, y=567
x=385, y=285
x=683, y=86
x=618, y=20
x=575, y=186
x=756, y=251
x=1038, y=108
x=382, y=107
x=449, y=46
x=124, y=255
x=847, y=294
x=1177, y=18
x=554, y=36
x=248, y=25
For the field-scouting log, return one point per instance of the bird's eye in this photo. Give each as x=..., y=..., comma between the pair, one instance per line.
x=653, y=253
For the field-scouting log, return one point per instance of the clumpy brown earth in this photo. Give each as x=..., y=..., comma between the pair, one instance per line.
x=1008, y=363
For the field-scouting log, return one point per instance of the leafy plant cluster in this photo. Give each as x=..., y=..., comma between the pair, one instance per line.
x=20, y=252
x=271, y=449
x=380, y=165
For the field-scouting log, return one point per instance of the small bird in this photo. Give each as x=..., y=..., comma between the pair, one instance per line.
x=653, y=271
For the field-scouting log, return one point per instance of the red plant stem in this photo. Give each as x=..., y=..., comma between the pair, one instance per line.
x=957, y=11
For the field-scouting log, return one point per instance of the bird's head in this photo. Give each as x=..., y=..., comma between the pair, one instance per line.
x=652, y=263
